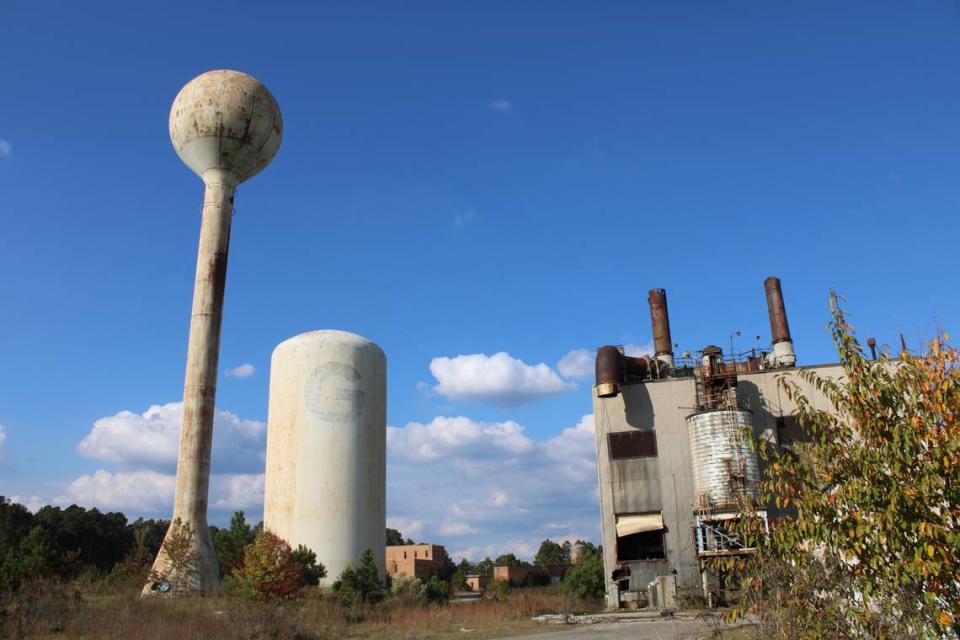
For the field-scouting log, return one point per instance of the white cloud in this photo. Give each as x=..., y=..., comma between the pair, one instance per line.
x=444, y=437
x=500, y=104
x=240, y=371
x=499, y=379
x=635, y=350
x=33, y=503
x=576, y=365
x=151, y=439
x=3, y=434
x=133, y=491
x=490, y=486
x=6, y=149
x=463, y=217
x=147, y=492
x=456, y=529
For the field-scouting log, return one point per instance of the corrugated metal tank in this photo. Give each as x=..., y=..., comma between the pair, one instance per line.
x=724, y=464
x=325, y=484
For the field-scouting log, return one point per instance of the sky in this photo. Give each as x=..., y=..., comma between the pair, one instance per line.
x=486, y=190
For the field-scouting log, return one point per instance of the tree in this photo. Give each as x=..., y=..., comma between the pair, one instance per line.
x=874, y=547
x=270, y=570
x=231, y=543
x=585, y=580
x=485, y=567
x=361, y=584
x=394, y=537
x=551, y=553
x=311, y=570
x=507, y=560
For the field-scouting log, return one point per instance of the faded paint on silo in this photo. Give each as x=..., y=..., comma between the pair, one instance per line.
x=325, y=484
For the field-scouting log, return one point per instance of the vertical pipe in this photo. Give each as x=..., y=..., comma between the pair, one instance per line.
x=872, y=343
x=660, y=320
x=779, y=328
x=200, y=386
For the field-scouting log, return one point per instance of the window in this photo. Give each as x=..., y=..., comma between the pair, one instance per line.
x=632, y=444
x=641, y=546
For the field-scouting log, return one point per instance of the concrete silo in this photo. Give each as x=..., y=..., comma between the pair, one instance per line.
x=325, y=484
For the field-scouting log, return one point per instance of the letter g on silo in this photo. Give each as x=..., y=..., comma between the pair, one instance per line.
x=333, y=392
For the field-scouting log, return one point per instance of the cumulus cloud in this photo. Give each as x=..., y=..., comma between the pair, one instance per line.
x=576, y=365
x=6, y=149
x=500, y=104
x=240, y=371
x=409, y=527
x=33, y=503
x=491, y=487
x=151, y=440
x=147, y=492
x=445, y=437
x=498, y=379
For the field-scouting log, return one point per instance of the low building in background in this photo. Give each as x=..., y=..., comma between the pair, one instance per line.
x=477, y=582
x=415, y=560
x=531, y=574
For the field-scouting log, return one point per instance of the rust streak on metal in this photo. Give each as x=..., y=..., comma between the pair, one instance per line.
x=779, y=328
x=660, y=320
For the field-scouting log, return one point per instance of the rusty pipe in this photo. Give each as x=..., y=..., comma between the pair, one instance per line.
x=660, y=320
x=609, y=371
x=872, y=343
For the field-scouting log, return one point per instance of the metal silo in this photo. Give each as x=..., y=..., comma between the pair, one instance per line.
x=725, y=466
x=325, y=484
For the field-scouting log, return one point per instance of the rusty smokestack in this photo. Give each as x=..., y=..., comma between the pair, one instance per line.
x=783, y=354
x=660, y=320
x=872, y=343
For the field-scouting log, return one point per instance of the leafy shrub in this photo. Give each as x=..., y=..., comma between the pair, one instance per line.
x=497, y=589
x=435, y=590
x=585, y=580
x=269, y=572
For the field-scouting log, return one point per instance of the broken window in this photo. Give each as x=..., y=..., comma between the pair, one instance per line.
x=632, y=444
x=640, y=536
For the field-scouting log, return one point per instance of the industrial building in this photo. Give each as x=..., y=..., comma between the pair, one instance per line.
x=674, y=458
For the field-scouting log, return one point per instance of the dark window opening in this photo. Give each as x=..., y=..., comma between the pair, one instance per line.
x=632, y=444
x=641, y=546
x=789, y=431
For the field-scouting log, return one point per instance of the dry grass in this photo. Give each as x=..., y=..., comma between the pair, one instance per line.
x=90, y=611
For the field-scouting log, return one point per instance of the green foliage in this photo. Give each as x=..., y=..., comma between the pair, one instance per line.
x=551, y=553
x=507, y=560
x=585, y=580
x=435, y=590
x=270, y=570
x=57, y=542
x=484, y=567
x=458, y=582
x=874, y=547
x=361, y=584
x=395, y=538
x=497, y=589
x=230, y=543
x=312, y=570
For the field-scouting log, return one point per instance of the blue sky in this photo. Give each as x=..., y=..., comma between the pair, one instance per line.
x=455, y=179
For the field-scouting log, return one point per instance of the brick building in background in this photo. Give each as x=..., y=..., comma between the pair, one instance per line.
x=414, y=560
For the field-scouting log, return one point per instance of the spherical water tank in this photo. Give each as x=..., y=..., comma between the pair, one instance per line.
x=725, y=467
x=325, y=484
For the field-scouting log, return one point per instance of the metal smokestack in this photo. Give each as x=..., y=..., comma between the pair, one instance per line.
x=660, y=320
x=226, y=127
x=783, y=354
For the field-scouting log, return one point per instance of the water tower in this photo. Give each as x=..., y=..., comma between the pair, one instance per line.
x=226, y=127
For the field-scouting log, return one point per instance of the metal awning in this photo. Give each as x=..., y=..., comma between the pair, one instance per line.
x=639, y=523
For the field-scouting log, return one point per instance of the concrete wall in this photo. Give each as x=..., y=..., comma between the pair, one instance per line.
x=665, y=483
